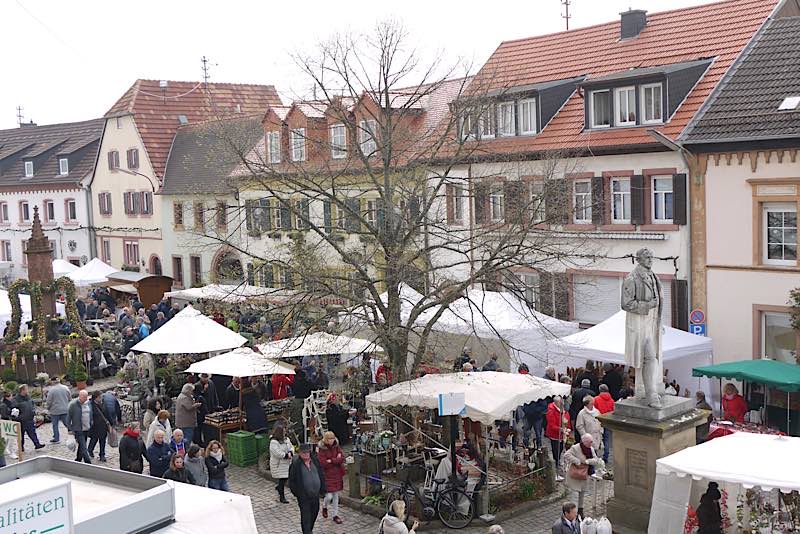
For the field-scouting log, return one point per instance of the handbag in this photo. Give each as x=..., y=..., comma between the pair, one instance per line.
x=578, y=472
x=113, y=438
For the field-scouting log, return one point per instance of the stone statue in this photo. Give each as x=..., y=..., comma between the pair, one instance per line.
x=642, y=299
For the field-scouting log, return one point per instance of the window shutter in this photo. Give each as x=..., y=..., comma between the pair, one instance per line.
x=351, y=218
x=449, y=192
x=249, y=216
x=251, y=276
x=306, y=208
x=327, y=217
x=126, y=199
x=110, y=160
x=269, y=275
x=108, y=203
x=481, y=203
x=514, y=197
x=544, y=300
x=413, y=208
x=637, y=199
x=130, y=158
x=561, y=296
x=380, y=216
x=556, y=201
x=599, y=208
x=680, y=304
x=286, y=215
x=679, y=215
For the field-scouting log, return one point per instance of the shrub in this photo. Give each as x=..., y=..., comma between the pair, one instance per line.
x=8, y=375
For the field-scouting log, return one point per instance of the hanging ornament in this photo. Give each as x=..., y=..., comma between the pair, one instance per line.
x=58, y=355
x=35, y=358
x=25, y=361
x=3, y=360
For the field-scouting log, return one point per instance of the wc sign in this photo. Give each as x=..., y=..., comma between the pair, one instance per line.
x=697, y=322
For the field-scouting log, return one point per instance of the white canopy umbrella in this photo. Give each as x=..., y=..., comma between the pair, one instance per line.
x=317, y=344
x=190, y=332
x=489, y=395
x=739, y=460
x=231, y=293
x=62, y=268
x=25, y=305
x=241, y=362
x=94, y=272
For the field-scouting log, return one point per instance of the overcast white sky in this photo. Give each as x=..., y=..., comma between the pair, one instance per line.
x=71, y=60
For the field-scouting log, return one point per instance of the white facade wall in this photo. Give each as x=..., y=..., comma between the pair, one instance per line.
x=743, y=292
x=70, y=239
x=118, y=228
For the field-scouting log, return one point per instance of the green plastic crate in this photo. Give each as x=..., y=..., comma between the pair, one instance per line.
x=242, y=448
x=262, y=444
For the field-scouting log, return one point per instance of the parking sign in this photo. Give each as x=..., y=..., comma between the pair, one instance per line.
x=698, y=329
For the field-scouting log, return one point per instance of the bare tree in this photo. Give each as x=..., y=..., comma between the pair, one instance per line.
x=377, y=191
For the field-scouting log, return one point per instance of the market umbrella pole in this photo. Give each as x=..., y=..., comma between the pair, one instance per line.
x=454, y=420
x=241, y=420
x=788, y=400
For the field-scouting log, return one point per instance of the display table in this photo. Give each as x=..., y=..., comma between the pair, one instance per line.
x=221, y=429
x=724, y=428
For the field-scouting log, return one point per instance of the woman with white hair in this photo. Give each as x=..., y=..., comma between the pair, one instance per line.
x=394, y=520
x=186, y=412
x=578, y=460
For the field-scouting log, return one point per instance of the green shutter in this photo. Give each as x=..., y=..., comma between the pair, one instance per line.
x=327, y=217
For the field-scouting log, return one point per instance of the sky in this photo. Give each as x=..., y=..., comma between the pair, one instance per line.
x=68, y=61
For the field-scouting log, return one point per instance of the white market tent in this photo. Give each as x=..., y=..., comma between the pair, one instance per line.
x=317, y=344
x=231, y=293
x=190, y=332
x=94, y=272
x=605, y=342
x=739, y=460
x=25, y=304
x=241, y=362
x=489, y=396
x=62, y=268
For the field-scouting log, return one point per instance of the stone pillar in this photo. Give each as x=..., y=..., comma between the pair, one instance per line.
x=642, y=435
x=40, y=264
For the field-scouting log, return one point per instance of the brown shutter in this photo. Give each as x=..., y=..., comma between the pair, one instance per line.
x=111, y=159
x=561, y=296
x=481, y=203
x=544, y=302
x=599, y=208
x=557, y=205
x=513, y=193
x=450, y=202
x=679, y=214
x=637, y=199
x=680, y=304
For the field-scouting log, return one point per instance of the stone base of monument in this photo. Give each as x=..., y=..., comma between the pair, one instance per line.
x=640, y=436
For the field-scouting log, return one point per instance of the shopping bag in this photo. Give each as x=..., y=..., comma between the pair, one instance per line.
x=71, y=443
x=588, y=526
x=604, y=526
x=113, y=438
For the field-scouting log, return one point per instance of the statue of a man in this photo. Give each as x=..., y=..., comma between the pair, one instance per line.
x=641, y=298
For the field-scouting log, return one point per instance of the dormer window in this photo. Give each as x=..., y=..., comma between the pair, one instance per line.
x=486, y=124
x=527, y=116
x=338, y=141
x=600, y=108
x=467, y=131
x=506, y=120
x=63, y=166
x=652, y=104
x=366, y=134
x=298, y=144
x=626, y=106
x=274, y=147
x=28, y=169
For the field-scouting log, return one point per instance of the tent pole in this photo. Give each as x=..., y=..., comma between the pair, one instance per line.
x=788, y=400
x=241, y=418
x=720, y=398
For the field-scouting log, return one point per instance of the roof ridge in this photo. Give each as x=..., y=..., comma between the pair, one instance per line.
x=29, y=128
x=234, y=117
x=139, y=80
x=616, y=22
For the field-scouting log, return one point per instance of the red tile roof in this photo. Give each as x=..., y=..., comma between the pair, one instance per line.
x=719, y=30
x=156, y=110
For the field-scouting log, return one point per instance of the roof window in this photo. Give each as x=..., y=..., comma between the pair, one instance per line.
x=790, y=103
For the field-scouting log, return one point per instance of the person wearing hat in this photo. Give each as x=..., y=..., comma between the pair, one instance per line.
x=578, y=394
x=307, y=484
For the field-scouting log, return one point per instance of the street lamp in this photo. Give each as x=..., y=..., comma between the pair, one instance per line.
x=135, y=173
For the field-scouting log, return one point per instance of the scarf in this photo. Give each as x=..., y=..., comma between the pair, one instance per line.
x=587, y=451
x=729, y=397
x=594, y=411
x=131, y=432
x=216, y=455
x=180, y=448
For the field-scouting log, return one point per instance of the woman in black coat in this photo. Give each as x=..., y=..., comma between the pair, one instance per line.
x=177, y=472
x=132, y=451
x=100, y=428
x=709, y=515
x=337, y=419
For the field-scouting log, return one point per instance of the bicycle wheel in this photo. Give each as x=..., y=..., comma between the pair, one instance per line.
x=397, y=494
x=455, y=508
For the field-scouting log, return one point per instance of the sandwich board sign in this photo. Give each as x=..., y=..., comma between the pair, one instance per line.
x=31, y=506
x=11, y=432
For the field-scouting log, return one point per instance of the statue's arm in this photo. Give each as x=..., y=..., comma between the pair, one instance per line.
x=629, y=302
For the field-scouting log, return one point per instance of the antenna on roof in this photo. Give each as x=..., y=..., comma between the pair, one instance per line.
x=566, y=16
x=20, y=116
x=206, y=76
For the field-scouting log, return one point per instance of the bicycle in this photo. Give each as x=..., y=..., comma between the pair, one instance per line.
x=454, y=507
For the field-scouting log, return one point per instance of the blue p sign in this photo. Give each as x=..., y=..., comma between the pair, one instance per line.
x=698, y=329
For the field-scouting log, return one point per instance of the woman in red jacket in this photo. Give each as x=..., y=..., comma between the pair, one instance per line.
x=280, y=386
x=733, y=405
x=331, y=458
x=558, y=427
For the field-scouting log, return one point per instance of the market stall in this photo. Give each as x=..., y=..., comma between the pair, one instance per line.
x=62, y=268
x=25, y=304
x=737, y=463
x=94, y=272
x=242, y=363
x=489, y=401
x=768, y=382
x=605, y=342
x=317, y=344
x=233, y=294
x=190, y=332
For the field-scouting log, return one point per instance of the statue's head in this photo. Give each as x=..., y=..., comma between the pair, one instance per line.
x=644, y=257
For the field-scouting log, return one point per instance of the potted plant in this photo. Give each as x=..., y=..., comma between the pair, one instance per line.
x=77, y=371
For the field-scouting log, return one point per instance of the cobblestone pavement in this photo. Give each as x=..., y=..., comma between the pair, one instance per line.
x=275, y=518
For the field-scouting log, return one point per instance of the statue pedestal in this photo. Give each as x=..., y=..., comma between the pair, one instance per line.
x=637, y=443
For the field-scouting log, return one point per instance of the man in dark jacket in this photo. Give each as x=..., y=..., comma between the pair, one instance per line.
x=577, y=401
x=587, y=374
x=158, y=454
x=568, y=523
x=81, y=306
x=79, y=422
x=6, y=405
x=307, y=484
x=24, y=404
x=613, y=379
x=129, y=339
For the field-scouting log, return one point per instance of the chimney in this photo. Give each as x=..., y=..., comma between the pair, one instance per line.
x=30, y=124
x=632, y=23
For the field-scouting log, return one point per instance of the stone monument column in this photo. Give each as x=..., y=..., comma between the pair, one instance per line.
x=40, y=265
